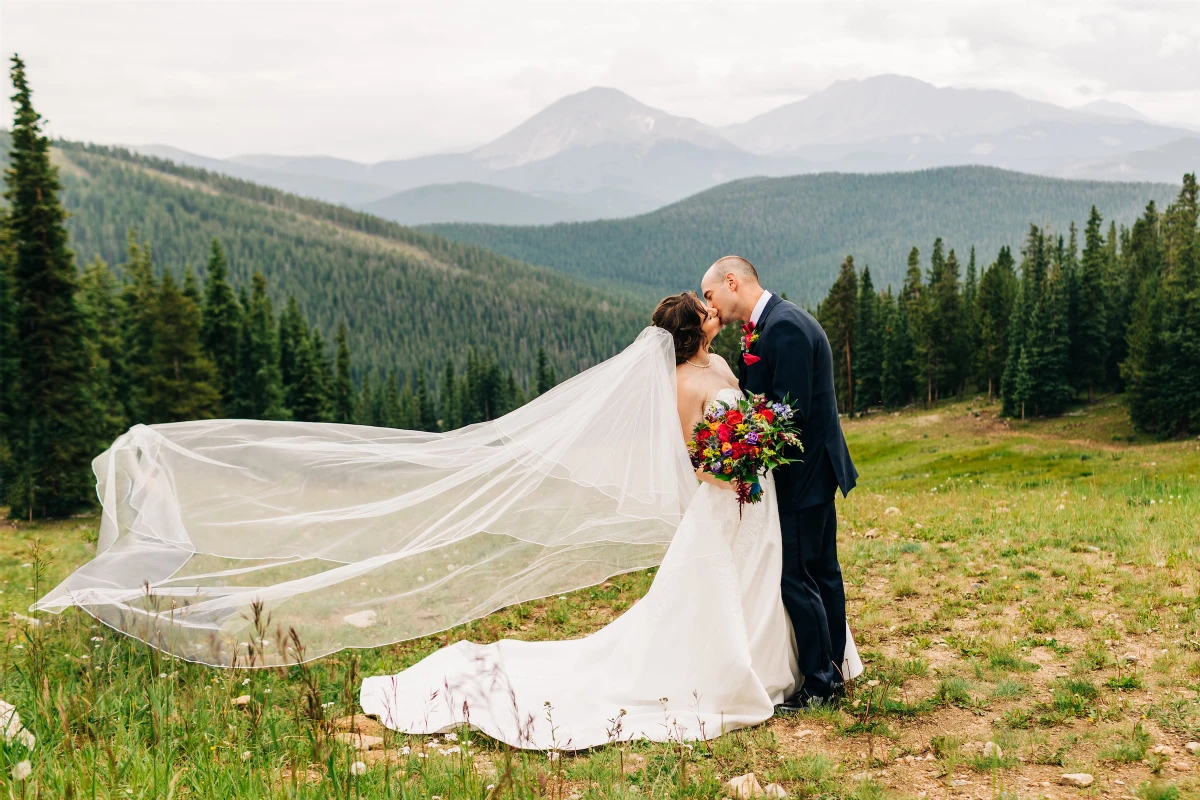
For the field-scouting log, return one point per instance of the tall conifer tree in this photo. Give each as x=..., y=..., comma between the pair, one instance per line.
x=222, y=322
x=343, y=390
x=1089, y=348
x=51, y=432
x=869, y=344
x=258, y=389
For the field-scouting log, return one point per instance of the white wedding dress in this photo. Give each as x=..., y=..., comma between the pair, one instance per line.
x=708, y=649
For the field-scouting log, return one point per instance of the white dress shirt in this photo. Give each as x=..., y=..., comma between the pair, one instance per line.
x=759, y=306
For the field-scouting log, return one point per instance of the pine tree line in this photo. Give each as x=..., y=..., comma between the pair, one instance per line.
x=1123, y=314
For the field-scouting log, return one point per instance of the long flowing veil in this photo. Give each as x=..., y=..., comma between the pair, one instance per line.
x=262, y=543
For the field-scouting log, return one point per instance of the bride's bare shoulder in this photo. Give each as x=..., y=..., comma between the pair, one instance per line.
x=721, y=364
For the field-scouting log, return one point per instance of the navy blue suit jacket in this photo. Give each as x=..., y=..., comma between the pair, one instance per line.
x=796, y=363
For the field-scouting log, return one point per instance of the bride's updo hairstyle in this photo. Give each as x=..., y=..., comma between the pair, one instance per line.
x=682, y=315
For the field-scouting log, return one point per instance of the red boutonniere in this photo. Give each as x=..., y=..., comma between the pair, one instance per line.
x=749, y=337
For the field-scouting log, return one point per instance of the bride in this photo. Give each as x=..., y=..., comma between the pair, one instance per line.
x=255, y=543
x=708, y=649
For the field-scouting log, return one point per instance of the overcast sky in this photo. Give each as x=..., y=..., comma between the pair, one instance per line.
x=379, y=80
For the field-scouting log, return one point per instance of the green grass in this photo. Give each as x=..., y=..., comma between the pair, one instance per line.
x=984, y=610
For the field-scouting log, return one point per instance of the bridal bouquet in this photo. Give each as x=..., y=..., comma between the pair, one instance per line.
x=742, y=441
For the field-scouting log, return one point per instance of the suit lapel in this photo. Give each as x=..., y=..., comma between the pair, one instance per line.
x=762, y=321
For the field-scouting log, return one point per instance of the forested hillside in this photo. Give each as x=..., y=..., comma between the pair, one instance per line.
x=797, y=230
x=409, y=299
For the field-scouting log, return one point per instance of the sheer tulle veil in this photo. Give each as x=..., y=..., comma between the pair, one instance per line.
x=219, y=538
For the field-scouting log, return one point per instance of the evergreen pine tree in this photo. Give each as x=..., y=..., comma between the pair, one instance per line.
x=309, y=396
x=342, y=399
x=258, y=389
x=546, y=378
x=392, y=412
x=449, y=419
x=427, y=416
x=100, y=303
x=1048, y=345
x=9, y=363
x=50, y=428
x=293, y=329
x=221, y=323
x=1089, y=348
x=1180, y=403
x=869, y=343
x=139, y=321
x=1143, y=368
x=1034, y=264
x=994, y=305
x=970, y=323
x=896, y=374
x=182, y=382
x=1116, y=307
x=947, y=348
x=915, y=302
x=837, y=315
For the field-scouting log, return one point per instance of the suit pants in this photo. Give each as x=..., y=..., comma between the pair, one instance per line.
x=813, y=594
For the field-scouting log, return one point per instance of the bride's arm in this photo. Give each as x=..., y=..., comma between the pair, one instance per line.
x=691, y=410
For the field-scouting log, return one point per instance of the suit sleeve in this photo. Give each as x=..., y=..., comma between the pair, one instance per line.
x=790, y=358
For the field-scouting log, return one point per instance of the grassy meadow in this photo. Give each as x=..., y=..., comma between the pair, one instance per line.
x=1033, y=585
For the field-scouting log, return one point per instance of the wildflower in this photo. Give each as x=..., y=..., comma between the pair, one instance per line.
x=97, y=638
x=245, y=755
x=489, y=787
x=327, y=705
x=162, y=674
x=358, y=768
x=405, y=750
x=22, y=770
x=422, y=755
x=267, y=690
x=246, y=682
x=450, y=737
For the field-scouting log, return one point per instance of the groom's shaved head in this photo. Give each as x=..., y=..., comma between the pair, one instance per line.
x=739, y=266
x=731, y=287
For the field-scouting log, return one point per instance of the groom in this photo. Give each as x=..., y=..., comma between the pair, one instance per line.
x=790, y=358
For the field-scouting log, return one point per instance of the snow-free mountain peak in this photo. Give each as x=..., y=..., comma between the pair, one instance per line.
x=597, y=116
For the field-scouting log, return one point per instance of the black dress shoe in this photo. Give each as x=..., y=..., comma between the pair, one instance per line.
x=793, y=705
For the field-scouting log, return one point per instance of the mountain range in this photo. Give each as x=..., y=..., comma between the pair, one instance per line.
x=409, y=299
x=602, y=154
x=798, y=229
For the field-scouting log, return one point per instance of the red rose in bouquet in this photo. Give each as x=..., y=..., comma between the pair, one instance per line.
x=749, y=439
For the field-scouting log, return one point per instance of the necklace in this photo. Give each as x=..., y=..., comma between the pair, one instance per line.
x=705, y=365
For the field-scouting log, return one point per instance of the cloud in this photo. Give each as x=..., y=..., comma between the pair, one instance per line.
x=377, y=80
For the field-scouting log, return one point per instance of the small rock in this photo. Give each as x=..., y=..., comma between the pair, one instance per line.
x=360, y=723
x=775, y=790
x=744, y=786
x=1129, y=658
x=360, y=741
x=1091, y=548
x=1193, y=748
x=975, y=587
x=872, y=682
x=992, y=750
x=909, y=760
x=958, y=782
x=1080, y=779
x=803, y=733
x=241, y=700
x=891, y=510
x=871, y=533
x=1163, y=750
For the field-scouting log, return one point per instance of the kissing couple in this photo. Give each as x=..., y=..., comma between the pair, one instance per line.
x=260, y=543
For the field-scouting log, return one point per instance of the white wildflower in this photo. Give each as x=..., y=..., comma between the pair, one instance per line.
x=97, y=638
x=22, y=770
x=246, y=682
x=358, y=768
x=450, y=737
x=405, y=750
x=245, y=755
